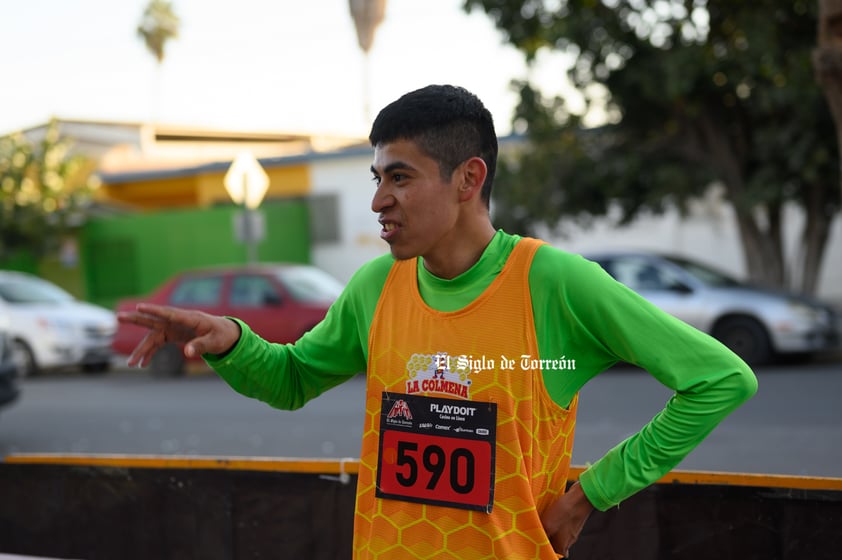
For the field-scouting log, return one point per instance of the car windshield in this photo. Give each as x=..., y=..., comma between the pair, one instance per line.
x=32, y=290
x=310, y=284
x=705, y=274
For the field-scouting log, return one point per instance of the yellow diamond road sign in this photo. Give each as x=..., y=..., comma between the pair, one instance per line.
x=246, y=181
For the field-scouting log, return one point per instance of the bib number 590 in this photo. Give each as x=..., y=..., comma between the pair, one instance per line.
x=436, y=469
x=435, y=461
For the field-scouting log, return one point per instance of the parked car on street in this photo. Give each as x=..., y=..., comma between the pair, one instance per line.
x=51, y=329
x=278, y=301
x=758, y=324
x=8, y=375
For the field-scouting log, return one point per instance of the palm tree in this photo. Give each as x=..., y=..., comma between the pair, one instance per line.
x=367, y=15
x=158, y=25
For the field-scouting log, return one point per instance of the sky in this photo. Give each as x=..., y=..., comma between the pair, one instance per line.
x=250, y=65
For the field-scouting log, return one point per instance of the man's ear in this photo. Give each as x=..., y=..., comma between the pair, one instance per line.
x=472, y=173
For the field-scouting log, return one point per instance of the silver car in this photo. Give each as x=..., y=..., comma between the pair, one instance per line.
x=758, y=324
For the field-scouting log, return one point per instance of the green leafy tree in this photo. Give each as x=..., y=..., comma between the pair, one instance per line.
x=44, y=192
x=695, y=92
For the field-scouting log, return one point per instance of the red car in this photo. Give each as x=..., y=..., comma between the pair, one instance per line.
x=280, y=302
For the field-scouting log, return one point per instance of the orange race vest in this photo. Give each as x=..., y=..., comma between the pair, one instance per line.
x=462, y=445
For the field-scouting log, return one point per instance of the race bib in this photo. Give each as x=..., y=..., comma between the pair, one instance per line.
x=437, y=451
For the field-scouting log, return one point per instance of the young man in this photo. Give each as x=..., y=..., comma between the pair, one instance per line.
x=475, y=344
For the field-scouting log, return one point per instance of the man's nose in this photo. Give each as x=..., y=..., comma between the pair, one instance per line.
x=382, y=199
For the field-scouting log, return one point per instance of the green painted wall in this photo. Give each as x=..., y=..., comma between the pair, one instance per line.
x=132, y=254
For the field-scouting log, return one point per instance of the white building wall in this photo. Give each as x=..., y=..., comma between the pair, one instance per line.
x=708, y=233
x=349, y=178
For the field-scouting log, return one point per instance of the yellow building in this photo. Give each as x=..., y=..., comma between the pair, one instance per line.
x=145, y=166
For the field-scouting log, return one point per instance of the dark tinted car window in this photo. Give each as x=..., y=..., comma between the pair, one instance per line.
x=197, y=291
x=706, y=274
x=641, y=274
x=252, y=291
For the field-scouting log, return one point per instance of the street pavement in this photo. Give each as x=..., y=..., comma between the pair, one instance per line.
x=792, y=426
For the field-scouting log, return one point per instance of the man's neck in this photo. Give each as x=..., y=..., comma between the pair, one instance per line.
x=462, y=254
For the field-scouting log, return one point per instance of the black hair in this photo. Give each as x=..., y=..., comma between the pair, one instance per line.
x=448, y=123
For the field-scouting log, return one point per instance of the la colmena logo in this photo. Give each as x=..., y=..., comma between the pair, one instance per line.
x=439, y=373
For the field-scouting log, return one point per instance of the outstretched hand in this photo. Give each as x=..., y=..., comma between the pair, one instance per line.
x=565, y=518
x=201, y=333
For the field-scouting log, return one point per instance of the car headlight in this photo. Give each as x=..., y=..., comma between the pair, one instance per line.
x=809, y=313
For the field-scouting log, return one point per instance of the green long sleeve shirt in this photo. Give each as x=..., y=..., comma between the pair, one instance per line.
x=582, y=315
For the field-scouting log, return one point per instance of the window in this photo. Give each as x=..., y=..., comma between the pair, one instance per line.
x=31, y=289
x=310, y=284
x=324, y=218
x=642, y=275
x=253, y=291
x=205, y=291
x=648, y=277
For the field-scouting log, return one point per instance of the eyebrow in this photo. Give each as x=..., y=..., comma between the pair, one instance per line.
x=393, y=166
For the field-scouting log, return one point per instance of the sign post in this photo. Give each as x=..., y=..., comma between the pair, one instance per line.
x=246, y=183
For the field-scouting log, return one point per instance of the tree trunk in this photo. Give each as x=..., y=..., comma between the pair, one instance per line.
x=814, y=239
x=827, y=60
x=761, y=237
x=762, y=251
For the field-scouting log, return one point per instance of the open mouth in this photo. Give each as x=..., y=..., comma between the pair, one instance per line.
x=390, y=229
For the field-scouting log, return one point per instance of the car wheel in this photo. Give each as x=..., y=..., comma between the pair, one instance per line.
x=746, y=337
x=168, y=361
x=24, y=360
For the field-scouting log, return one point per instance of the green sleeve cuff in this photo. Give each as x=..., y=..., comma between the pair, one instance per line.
x=214, y=360
x=594, y=492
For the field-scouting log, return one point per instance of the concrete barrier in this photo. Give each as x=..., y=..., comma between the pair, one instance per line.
x=92, y=507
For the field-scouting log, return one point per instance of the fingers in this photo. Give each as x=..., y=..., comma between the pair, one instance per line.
x=153, y=316
x=561, y=544
x=201, y=333
x=566, y=517
x=201, y=345
x=218, y=335
x=165, y=324
x=144, y=351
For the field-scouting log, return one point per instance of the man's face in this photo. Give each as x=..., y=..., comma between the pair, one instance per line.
x=418, y=211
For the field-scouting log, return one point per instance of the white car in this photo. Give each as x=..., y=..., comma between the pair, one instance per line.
x=50, y=328
x=758, y=324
